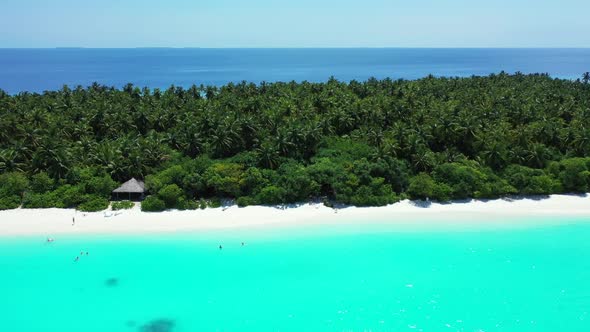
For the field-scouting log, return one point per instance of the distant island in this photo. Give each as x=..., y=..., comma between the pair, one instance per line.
x=368, y=143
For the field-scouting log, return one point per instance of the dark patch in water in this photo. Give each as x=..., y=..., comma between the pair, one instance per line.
x=158, y=325
x=112, y=282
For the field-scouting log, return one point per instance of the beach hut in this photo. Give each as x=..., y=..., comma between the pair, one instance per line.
x=131, y=190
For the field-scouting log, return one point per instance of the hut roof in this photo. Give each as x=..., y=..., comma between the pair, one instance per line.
x=131, y=186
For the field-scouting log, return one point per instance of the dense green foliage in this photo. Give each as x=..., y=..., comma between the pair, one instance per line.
x=87, y=188
x=93, y=204
x=360, y=143
x=122, y=205
x=153, y=204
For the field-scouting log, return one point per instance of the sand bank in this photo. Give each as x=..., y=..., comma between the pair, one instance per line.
x=501, y=212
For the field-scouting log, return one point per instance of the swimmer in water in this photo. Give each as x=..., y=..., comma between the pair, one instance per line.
x=77, y=258
x=49, y=240
x=220, y=247
x=242, y=244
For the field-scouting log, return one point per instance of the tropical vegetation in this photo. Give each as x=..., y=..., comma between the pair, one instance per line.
x=358, y=143
x=122, y=205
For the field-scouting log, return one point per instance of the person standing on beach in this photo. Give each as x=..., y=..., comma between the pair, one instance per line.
x=73, y=221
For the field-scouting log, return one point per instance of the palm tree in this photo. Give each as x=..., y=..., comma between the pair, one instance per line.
x=581, y=142
x=285, y=141
x=494, y=154
x=539, y=155
x=9, y=161
x=423, y=160
x=54, y=159
x=268, y=155
x=108, y=155
x=586, y=77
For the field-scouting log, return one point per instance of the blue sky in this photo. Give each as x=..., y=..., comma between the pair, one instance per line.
x=301, y=23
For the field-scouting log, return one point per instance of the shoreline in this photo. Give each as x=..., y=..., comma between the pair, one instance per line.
x=405, y=215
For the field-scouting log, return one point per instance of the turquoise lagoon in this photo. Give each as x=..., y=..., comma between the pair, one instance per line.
x=324, y=278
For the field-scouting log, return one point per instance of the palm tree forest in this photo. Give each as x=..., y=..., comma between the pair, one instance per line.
x=355, y=143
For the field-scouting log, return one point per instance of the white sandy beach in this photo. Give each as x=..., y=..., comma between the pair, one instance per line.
x=406, y=214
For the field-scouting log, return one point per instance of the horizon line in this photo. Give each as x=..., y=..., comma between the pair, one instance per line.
x=288, y=47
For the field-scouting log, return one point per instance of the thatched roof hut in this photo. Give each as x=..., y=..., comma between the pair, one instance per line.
x=130, y=189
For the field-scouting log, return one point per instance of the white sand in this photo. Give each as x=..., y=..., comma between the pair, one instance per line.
x=406, y=214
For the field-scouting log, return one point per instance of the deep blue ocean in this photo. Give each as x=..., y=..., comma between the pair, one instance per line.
x=37, y=70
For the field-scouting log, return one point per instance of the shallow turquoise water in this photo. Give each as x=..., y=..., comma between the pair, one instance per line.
x=377, y=279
